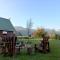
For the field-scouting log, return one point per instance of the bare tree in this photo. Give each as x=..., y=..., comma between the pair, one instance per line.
x=29, y=26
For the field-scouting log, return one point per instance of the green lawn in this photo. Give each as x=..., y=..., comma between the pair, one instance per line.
x=53, y=55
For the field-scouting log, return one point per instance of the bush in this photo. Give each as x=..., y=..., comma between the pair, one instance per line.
x=24, y=37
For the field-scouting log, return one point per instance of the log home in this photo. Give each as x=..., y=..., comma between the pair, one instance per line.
x=7, y=36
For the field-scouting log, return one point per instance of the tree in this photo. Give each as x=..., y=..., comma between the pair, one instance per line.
x=29, y=26
x=39, y=32
x=57, y=36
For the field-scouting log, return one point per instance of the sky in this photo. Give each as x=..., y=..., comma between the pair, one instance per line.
x=43, y=13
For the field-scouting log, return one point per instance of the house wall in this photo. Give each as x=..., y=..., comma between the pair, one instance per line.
x=10, y=34
x=10, y=37
x=0, y=40
x=0, y=33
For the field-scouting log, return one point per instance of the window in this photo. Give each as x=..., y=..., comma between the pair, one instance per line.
x=4, y=32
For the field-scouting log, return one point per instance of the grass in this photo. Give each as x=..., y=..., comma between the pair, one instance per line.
x=53, y=55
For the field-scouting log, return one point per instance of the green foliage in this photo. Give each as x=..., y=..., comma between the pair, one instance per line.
x=55, y=36
x=24, y=37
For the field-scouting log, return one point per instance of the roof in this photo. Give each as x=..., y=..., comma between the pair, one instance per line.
x=6, y=25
